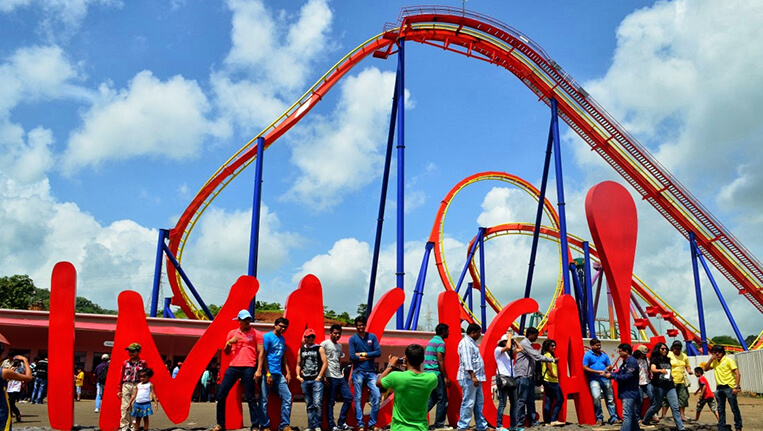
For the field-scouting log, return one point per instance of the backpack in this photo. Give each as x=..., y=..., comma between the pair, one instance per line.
x=538, y=373
x=103, y=373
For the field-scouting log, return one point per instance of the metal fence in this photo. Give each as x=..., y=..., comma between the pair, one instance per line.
x=751, y=367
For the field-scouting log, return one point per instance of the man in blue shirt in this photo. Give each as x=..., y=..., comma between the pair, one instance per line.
x=596, y=363
x=277, y=374
x=364, y=348
x=628, y=389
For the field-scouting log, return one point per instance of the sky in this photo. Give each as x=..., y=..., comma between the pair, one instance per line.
x=113, y=114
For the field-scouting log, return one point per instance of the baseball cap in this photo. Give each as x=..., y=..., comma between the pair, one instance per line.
x=308, y=332
x=133, y=346
x=643, y=349
x=105, y=357
x=243, y=314
x=504, y=337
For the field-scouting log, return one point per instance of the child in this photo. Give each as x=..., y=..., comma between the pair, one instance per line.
x=79, y=381
x=142, y=396
x=707, y=396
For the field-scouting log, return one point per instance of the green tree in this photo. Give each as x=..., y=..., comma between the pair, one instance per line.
x=725, y=339
x=750, y=339
x=16, y=292
x=267, y=306
x=362, y=310
x=84, y=305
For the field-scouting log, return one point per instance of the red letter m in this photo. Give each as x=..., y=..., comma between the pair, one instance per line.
x=174, y=394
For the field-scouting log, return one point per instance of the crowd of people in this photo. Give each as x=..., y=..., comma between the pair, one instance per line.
x=655, y=381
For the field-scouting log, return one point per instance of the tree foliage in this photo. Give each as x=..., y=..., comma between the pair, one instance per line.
x=16, y=292
x=726, y=339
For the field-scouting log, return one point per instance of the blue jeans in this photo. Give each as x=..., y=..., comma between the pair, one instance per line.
x=231, y=376
x=204, y=394
x=282, y=389
x=472, y=403
x=723, y=393
x=525, y=400
x=439, y=396
x=630, y=414
x=511, y=394
x=552, y=396
x=672, y=396
x=313, y=392
x=332, y=386
x=38, y=394
x=597, y=388
x=368, y=378
x=98, y=395
x=645, y=391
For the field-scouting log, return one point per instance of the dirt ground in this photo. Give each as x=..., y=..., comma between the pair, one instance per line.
x=202, y=416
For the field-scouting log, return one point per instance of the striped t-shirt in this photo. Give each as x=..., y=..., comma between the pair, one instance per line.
x=435, y=345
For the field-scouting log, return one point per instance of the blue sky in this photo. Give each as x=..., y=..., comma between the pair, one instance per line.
x=113, y=114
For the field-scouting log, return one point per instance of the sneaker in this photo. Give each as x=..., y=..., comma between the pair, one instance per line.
x=345, y=427
x=96, y=410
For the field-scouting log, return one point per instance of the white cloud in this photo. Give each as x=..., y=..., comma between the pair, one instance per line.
x=344, y=152
x=60, y=18
x=271, y=58
x=39, y=231
x=32, y=75
x=150, y=117
x=219, y=252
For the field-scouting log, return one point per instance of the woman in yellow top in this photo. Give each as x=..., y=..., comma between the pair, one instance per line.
x=679, y=366
x=552, y=392
x=79, y=381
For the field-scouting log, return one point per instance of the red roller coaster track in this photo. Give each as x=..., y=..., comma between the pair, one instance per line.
x=484, y=38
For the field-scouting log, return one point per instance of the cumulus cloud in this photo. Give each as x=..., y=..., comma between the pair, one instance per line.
x=270, y=60
x=150, y=117
x=60, y=18
x=344, y=152
x=219, y=252
x=39, y=231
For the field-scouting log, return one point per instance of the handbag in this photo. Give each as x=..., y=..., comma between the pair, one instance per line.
x=505, y=382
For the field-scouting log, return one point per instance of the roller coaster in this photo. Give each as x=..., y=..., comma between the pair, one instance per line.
x=484, y=38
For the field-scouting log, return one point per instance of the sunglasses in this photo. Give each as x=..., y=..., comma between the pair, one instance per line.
x=663, y=348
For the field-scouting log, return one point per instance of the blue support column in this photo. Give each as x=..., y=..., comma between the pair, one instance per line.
x=418, y=291
x=400, y=273
x=187, y=281
x=469, y=258
x=720, y=297
x=483, y=283
x=163, y=233
x=698, y=290
x=589, y=291
x=578, y=297
x=468, y=296
x=167, y=312
x=538, y=218
x=560, y=195
x=383, y=197
x=254, y=233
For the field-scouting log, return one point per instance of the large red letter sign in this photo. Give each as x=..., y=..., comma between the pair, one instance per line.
x=63, y=291
x=564, y=328
x=449, y=313
x=498, y=327
x=613, y=222
x=174, y=394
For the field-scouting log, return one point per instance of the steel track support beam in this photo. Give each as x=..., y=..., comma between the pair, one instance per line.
x=383, y=197
x=400, y=273
x=483, y=284
x=698, y=290
x=418, y=292
x=163, y=234
x=254, y=240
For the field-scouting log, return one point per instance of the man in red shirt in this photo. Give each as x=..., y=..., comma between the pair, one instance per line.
x=244, y=345
x=128, y=379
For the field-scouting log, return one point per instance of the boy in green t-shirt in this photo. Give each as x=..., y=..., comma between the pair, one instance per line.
x=412, y=389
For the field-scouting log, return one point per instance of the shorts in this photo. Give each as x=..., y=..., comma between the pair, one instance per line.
x=683, y=396
x=79, y=389
x=141, y=410
x=709, y=401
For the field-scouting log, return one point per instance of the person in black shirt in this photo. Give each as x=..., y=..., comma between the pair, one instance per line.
x=662, y=381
